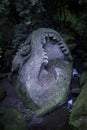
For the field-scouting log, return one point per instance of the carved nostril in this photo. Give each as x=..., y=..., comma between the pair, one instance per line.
x=64, y=50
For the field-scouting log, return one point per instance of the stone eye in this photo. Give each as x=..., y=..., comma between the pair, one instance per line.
x=25, y=50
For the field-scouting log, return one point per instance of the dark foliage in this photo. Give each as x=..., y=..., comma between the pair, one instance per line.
x=19, y=17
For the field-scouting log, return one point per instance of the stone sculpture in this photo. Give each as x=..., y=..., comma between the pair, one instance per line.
x=43, y=66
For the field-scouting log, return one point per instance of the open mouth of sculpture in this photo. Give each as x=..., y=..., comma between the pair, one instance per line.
x=52, y=40
x=52, y=55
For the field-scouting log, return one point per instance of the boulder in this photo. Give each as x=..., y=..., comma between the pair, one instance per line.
x=83, y=78
x=43, y=66
x=78, y=116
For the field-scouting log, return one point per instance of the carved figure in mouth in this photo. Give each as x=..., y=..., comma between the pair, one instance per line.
x=43, y=66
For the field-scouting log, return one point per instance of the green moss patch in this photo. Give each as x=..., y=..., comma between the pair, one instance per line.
x=83, y=78
x=78, y=116
x=11, y=119
x=28, y=102
x=45, y=109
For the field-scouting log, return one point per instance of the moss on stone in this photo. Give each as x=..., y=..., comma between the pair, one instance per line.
x=11, y=119
x=28, y=102
x=53, y=101
x=83, y=78
x=78, y=116
x=45, y=109
x=27, y=114
x=2, y=93
x=59, y=99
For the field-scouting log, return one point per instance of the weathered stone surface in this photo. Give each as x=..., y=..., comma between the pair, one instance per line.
x=83, y=78
x=78, y=116
x=44, y=66
x=11, y=119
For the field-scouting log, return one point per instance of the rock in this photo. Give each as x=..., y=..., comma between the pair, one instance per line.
x=83, y=78
x=43, y=66
x=2, y=93
x=11, y=119
x=78, y=116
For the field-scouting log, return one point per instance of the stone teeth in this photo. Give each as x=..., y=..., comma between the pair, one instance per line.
x=61, y=46
x=46, y=57
x=63, y=49
x=45, y=61
x=60, y=43
x=46, y=34
x=45, y=53
x=66, y=53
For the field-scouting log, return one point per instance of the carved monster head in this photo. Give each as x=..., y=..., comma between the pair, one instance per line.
x=44, y=66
